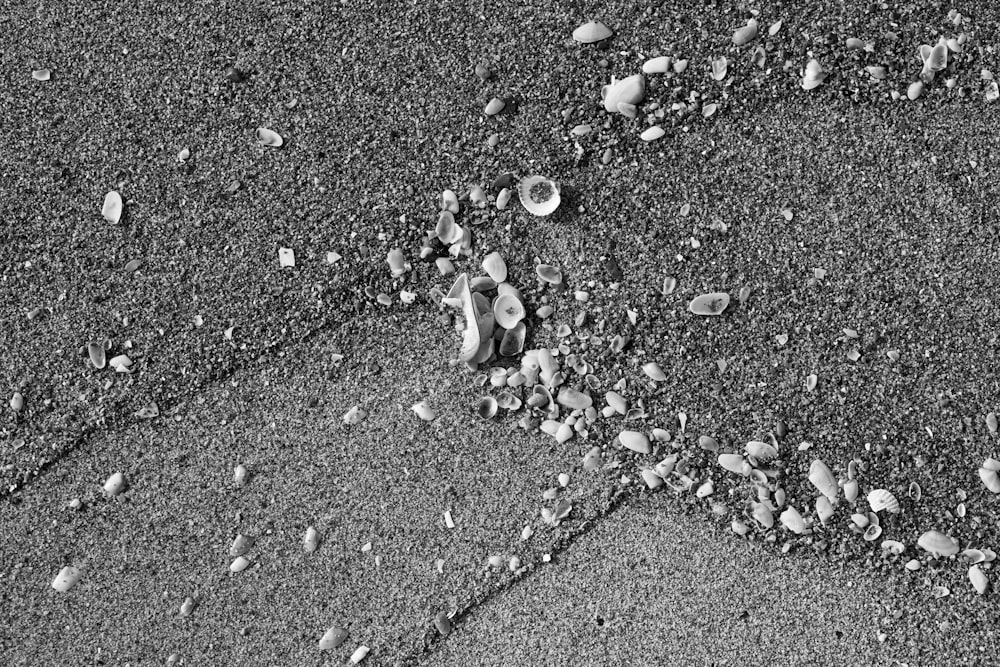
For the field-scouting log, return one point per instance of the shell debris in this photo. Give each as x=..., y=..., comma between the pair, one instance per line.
x=591, y=32
x=67, y=578
x=332, y=638
x=112, y=208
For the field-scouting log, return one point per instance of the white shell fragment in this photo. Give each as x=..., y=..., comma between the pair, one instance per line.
x=539, y=195
x=591, y=31
x=269, y=137
x=114, y=485
x=990, y=478
x=333, y=638
x=67, y=578
x=714, y=303
x=652, y=133
x=112, y=208
x=310, y=542
x=793, y=521
x=41, y=74
x=635, y=441
x=978, y=579
x=424, y=411
x=814, y=75
x=359, y=654
x=355, y=415
x=286, y=257
x=241, y=563
x=938, y=544
x=630, y=90
x=507, y=311
x=880, y=499
x=495, y=267
x=822, y=478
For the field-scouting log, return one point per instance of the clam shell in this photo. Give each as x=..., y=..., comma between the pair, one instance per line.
x=877, y=72
x=539, y=195
x=269, y=137
x=763, y=515
x=495, y=267
x=824, y=509
x=893, y=546
x=653, y=370
x=310, y=541
x=978, y=579
x=241, y=563
x=471, y=340
x=507, y=311
x=114, y=485
x=446, y=230
x=503, y=198
x=573, y=399
x=549, y=274
x=793, y=521
x=814, y=75
x=822, y=478
x=332, y=638
x=67, y=578
x=881, y=499
x=630, y=90
x=745, y=34
x=591, y=31
x=991, y=479
x=938, y=544
x=937, y=59
x=851, y=490
x=720, y=67
x=659, y=65
x=652, y=133
x=424, y=411
x=17, y=402
x=873, y=533
x=512, y=342
x=112, y=208
x=41, y=74
x=914, y=90
x=241, y=544
x=705, y=490
x=442, y=623
x=487, y=407
x=761, y=451
x=616, y=401
x=708, y=443
x=508, y=401
x=651, y=479
x=860, y=520
x=635, y=441
x=973, y=556
x=714, y=303
x=494, y=106
x=734, y=463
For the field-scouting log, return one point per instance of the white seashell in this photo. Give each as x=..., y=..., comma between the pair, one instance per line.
x=978, y=579
x=793, y=521
x=487, y=407
x=940, y=592
x=112, y=208
x=851, y=490
x=761, y=451
x=653, y=370
x=824, y=509
x=186, y=608
x=739, y=527
x=705, y=489
x=745, y=34
x=121, y=363
x=67, y=578
x=477, y=197
x=860, y=520
x=359, y=654
x=241, y=563
x=877, y=72
x=630, y=90
x=495, y=267
x=549, y=274
x=494, y=106
x=938, y=544
x=269, y=137
x=914, y=90
x=507, y=311
x=937, y=59
x=355, y=415
x=471, y=340
x=449, y=201
x=734, y=463
x=880, y=499
x=41, y=74
x=397, y=264
x=539, y=195
x=763, y=515
x=873, y=533
x=635, y=441
x=332, y=638
x=990, y=478
x=680, y=65
x=17, y=402
x=286, y=257
x=442, y=623
x=241, y=544
x=240, y=475
x=659, y=65
x=310, y=542
x=424, y=411
x=114, y=485
x=446, y=230
x=592, y=31
x=512, y=342
x=714, y=303
x=823, y=479
x=814, y=75
x=616, y=401
x=720, y=67
x=652, y=480
x=97, y=356
x=974, y=556
x=893, y=546
x=774, y=28
x=503, y=198
x=652, y=133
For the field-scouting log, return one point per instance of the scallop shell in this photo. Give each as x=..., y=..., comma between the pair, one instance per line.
x=630, y=90
x=269, y=137
x=332, y=638
x=793, y=521
x=822, y=478
x=539, y=195
x=424, y=411
x=591, y=31
x=549, y=274
x=714, y=303
x=635, y=441
x=112, y=208
x=67, y=578
x=495, y=267
x=978, y=579
x=487, y=407
x=761, y=451
x=114, y=485
x=512, y=342
x=938, y=544
x=734, y=463
x=881, y=499
x=507, y=311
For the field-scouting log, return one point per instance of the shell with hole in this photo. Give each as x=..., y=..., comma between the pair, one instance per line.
x=881, y=499
x=508, y=311
x=630, y=90
x=539, y=195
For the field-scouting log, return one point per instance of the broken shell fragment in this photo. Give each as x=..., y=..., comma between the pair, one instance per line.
x=734, y=463
x=708, y=443
x=539, y=195
x=653, y=370
x=761, y=451
x=591, y=31
x=355, y=415
x=495, y=267
x=938, y=544
x=17, y=402
x=114, y=485
x=67, y=578
x=241, y=563
x=630, y=90
x=652, y=133
x=487, y=407
x=512, y=342
x=333, y=638
x=719, y=68
x=269, y=137
x=652, y=480
x=822, y=478
x=880, y=499
x=442, y=623
x=705, y=490
x=714, y=303
x=745, y=34
x=658, y=65
x=990, y=478
x=112, y=208
x=423, y=411
x=793, y=521
x=635, y=441
x=978, y=579
x=241, y=545
x=824, y=509
x=41, y=74
x=763, y=515
x=814, y=75
x=973, y=556
x=310, y=542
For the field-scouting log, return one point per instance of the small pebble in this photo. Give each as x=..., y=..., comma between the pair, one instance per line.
x=495, y=106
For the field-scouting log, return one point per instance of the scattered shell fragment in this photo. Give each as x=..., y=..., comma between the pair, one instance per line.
x=423, y=411
x=763, y=515
x=938, y=544
x=41, y=74
x=17, y=402
x=881, y=499
x=746, y=34
x=714, y=303
x=658, y=65
x=286, y=257
x=442, y=623
x=793, y=521
x=241, y=544
x=512, y=342
x=978, y=579
x=507, y=311
x=539, y=195
x=630, y=90
x=813, y=76
x=720, y=67
x=774, y=28
x=824, y=509
x=112, y=208
x=359, y=654
x=269, y=137
x=67, y=578
x=709, y=109
x=761, y=451
x=187, y=607
x=822, y=478
x=503, y=198
x=877, y=72
x=495, y=267
x=635, y=441
x=114, y=485
x=708, y=443
x=873, y=533
x=591, y=31
x=652, y=133
x=653, y=370
x=333, y=638
x=355, y=415
x=990, y=478
x=705, y=490
x=651, y=479
x=914, y=90
x=310, y=541
x=241, y=563
x=240, y=475
x=549, y=274
x=991, y=422
x=893, y=546
x=734, y=463
x=973, y=555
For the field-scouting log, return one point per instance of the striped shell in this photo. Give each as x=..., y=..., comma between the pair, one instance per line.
x=880, y=499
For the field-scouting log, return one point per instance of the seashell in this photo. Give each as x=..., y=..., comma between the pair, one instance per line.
x=449, y=202
x=495, y=267
x=503, y=198
x=877, y=72
x=240, y=474
x=745, y=34
x=992, y=91
x=873, y=533
x=860, y=520
x=912, y=565
x=653, y=370
x=446, y=230
x=512, y=342
x=914, y=90
x=938, y=544
x=539, y=195
x=734, y=463
x=892, y=546
x=114, y=485
x=355, y=415
x=709, y=110
x=17, y=402
x=705, y=490
x=581, y=130
x=824, y=509
x=680, y=65
x=991, y=422
x=793, y=521
x=67, y=578
x=854, y=43
x=121, y=363
x=851, y=490
x=397, y=265
x=652, y=133
x=880, y=499
x=269, y=138
x=978, y=579
x=592, y=460
x=310, y=541
x=471, y=340
x=974, y=556
x=591, y=31
x=990, y=478
x=616, y=401
x=814, y=75
x=760, y=56
x=494, y=106
x=423, y=411
x=186, y=608
x=758, y=477
x=822, y=478
x=739, y=527
x=714, y=303
x=811, y=380
x=635, y=441
x=630, y=90
x=940, y=592
x=937, y=59
x=508, y=401
x=719, y=68
x=708, y=443
x=359, y=654
x=241, y=545
x=477, y=197
x=41, y=74
x=332, y=638
x=761, y=451
x=774, y=28
x=659, y=65
x=573, y=399
x=112, y=208
x=487, y=407
x=241, y=563
x=549, y=274
x=652, y=480
x=482, y=284
x=442, y=623
x=507, y=311
x=763, y=515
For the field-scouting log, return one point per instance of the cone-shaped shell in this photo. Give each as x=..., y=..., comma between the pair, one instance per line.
x=112, y=208
x=513, y=341
x=714, y=303
x=67, y=578
x=793, y=521
x=269, y=137
x=822, y=478
x=424, y=411
x=880, y=499
x=507, y=311
x=938, y=544
x=734, y=463
x=978, y=579
x=635, y=441
x=991, y=479
x=591, y=31
x=495, y=267
x=487, y=407
x=814, y=75
x=745, y=34
x=630, y=90
x=333, y=638
x=539, y=195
